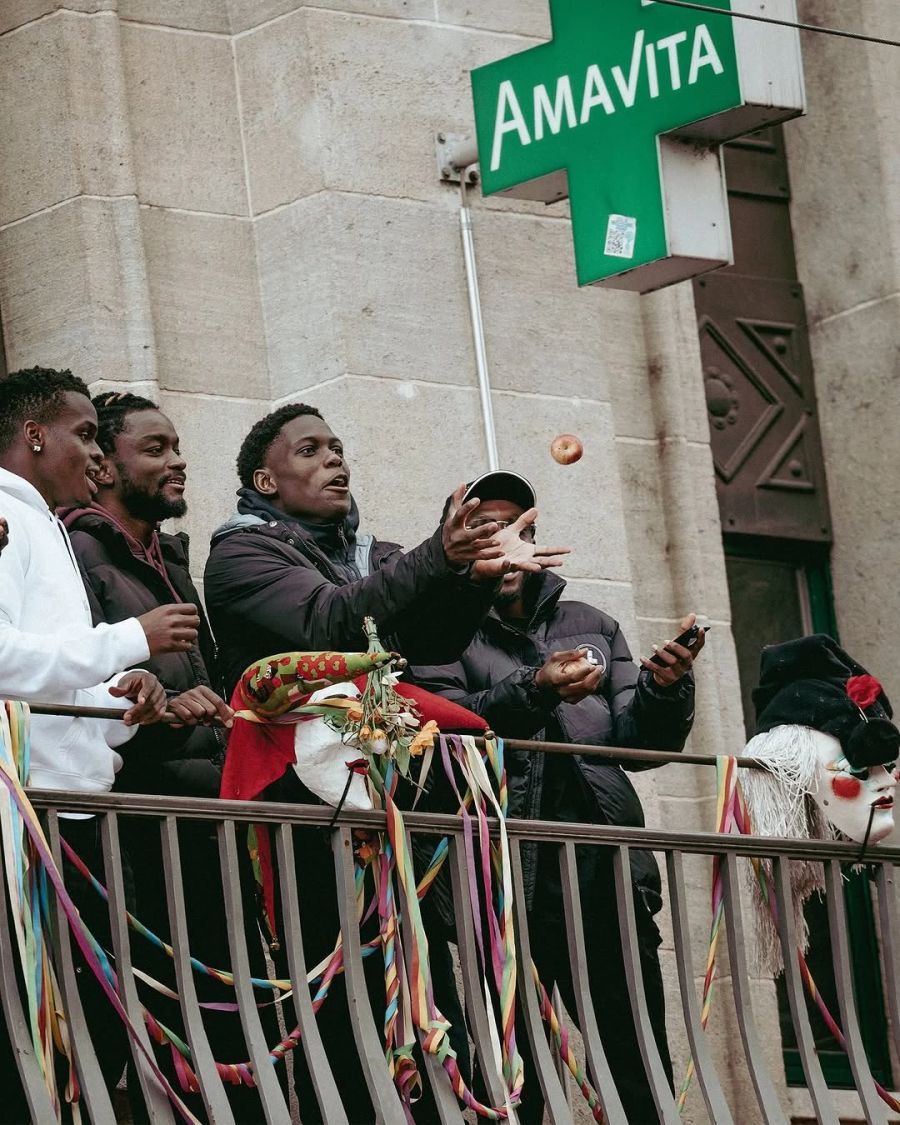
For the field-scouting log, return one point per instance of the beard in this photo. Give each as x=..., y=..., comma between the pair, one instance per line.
x=146, y=505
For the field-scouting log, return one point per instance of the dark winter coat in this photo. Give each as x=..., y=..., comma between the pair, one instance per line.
x=277, y=585
x=120, y=586
x=495, y=678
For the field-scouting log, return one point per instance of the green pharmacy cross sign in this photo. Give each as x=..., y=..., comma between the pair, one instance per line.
x=623, y=111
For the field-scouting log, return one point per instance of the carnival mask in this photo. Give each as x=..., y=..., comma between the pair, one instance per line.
x=858, y=802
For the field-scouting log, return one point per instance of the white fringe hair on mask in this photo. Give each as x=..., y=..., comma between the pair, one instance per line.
x=779, y=803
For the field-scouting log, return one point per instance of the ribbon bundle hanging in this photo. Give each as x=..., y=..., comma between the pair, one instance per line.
x=381, y=732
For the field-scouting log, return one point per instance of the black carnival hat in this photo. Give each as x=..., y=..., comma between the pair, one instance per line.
x=812, y=682
x=502, y=485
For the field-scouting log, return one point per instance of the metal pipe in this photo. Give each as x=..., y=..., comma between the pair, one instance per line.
x=466, y=223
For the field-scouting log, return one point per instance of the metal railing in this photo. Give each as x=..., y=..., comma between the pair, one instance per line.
x=714, y=1081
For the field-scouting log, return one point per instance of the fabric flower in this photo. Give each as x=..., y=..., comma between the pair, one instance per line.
x=863, y=690
x=423, y=739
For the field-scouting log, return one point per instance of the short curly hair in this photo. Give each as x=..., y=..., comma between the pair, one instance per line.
x=34, y=394
x=259, y=441
x=113, y=408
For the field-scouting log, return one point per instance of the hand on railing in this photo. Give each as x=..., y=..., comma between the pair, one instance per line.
x=147, y=694
x=200, y=707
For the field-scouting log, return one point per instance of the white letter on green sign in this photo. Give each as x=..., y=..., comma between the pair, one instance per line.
x=595, y=93
x=710, y=57
x=507, y=101
x=554, y=113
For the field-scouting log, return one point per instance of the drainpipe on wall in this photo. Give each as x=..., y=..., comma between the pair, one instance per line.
x=458, y=158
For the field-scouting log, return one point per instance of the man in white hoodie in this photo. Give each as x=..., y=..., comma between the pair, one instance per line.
x=49, y=650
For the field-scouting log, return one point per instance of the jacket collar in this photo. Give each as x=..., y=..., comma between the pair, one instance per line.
x=96, y=521
x=547, y=590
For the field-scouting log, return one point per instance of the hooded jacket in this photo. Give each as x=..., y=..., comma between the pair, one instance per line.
x=122, y=583
x=275, y=584
x=50, y=652
x=494, y=677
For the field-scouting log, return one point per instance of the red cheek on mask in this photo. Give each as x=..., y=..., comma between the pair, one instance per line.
x=846, y=788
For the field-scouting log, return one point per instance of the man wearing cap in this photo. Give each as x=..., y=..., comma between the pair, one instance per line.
x=542, y=667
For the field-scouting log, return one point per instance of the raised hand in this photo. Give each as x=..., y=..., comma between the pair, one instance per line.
x=463, y=544
x=518, y=551
x=676, y=660
x=171, y=628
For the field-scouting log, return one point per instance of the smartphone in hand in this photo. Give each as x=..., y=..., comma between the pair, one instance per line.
x=687, y=640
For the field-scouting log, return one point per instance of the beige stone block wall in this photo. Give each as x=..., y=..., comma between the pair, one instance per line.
x=845, y=178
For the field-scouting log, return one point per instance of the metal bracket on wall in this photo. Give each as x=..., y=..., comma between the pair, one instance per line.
x=457, y=153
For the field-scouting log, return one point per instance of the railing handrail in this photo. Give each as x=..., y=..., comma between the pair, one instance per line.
x=532, y=746
x=270, y=812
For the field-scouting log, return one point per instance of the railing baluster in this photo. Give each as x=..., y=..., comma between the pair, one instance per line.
x=447, y=1106
x=743, y=1001
x=653, y=1066
x=320, y=1072
x=873, y=1107
x=93, y=1085
x=598, y=1066
x=18, y=1033
x=202, y=1060
x=156, y=1100
x=886, y=880
x=385, y=1099
x=473, y=979
x=787, y=932
x=554, y=1095
x=713, y=1094
x=270, y=1093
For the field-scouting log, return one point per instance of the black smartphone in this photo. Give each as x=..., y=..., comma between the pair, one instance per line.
x=687, y=639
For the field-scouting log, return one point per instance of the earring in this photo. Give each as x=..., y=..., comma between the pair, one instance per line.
x=37, y=448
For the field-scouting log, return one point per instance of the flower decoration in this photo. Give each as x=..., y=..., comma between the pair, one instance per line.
x=863, y=690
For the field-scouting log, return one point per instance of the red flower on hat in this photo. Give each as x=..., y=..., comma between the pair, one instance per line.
x=863, y=690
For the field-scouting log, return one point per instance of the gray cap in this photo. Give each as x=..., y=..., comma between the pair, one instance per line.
x=502, y=485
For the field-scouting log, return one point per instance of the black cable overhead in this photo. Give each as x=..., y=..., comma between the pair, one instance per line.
x=781, y=23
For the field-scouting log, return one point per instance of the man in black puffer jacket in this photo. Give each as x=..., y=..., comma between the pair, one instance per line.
x=561, y=671
x=291, y=571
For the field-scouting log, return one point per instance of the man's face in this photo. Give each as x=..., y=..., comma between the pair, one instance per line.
x=848, y=799
x=70, y=456
x=305, y=471
x=149, y=476
x=503, y=512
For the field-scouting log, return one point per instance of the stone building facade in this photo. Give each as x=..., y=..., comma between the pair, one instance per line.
x=230, y=204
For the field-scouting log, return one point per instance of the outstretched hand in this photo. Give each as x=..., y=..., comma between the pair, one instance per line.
x=519, y=551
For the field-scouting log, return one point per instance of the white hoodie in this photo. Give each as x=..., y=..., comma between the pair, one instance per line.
x=49, y=651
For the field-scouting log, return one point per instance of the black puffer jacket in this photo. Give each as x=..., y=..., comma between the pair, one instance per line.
x=276, y=585
x=120, y=586
x=495, y=678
